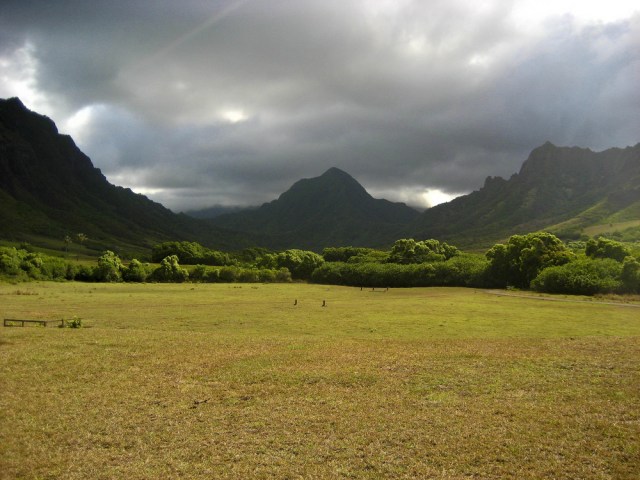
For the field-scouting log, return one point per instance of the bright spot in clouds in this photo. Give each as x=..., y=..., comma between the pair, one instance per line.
x=434, y=196
x=234, y=116
x=416, y=197
x=18, y=79
x=77, y=124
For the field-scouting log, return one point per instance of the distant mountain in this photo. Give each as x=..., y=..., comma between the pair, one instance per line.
x=330, y=210
x=215, y=211
x=49, y=189
x=560, y=189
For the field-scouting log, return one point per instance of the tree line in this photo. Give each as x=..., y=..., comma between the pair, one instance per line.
x=538, y=261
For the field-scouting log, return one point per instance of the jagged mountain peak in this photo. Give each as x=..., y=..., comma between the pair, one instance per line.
x=15, y=112
x=13, y=101
x=554, y=185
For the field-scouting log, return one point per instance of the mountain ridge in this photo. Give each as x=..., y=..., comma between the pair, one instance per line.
x=554, y=185
x=48, y=187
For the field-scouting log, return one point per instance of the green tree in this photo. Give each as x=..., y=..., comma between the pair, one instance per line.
x=190, y=253
x=81, y=237
x=407, y=250
x=67, y=241
x=32, y=264
x=630, y=275
x=109, y=268
x=170, y=271
x=301, y=263
x=585, y=276
x=199, y=273
x=523, y=257
x=606, y=248
x=136, y=271
x=228, y=274
x=187, y=252
x=343, y=254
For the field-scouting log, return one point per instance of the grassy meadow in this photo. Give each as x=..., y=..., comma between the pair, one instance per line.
x=235, y=381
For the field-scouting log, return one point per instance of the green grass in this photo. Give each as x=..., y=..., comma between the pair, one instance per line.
x=234, y=381
x=610, y=227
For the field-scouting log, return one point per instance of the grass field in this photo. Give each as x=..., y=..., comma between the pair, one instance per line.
x=610, y=227
x=235, y=381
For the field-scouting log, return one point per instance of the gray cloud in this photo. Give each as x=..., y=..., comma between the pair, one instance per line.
x=197, y=103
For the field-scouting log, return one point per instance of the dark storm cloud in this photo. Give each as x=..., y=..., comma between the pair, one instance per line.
x=229, y=102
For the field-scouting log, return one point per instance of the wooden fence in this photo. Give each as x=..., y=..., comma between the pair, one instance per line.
x=13, y=322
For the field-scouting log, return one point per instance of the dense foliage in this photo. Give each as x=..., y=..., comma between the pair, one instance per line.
x=606, y=248
x=523, y=257
x=20, y=264
x=344, y=254
x=581, y=277
x=190, y=253
x=407, y=250
x=301, y=263
x=464, y=270
x=170, y=271
x=538, y=260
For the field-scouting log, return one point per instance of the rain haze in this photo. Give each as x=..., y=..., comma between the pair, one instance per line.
x=202, y=103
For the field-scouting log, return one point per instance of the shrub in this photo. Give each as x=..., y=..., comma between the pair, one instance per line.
x=170, y=271
x=630, y=275
x=283, y=275
x=266, y=276
x=606, y=248
x=407, y=250
x=212, y=276
x=580, y=277
x=23, y=265
x=136, y=271
x=75, y=322
x=465, y=270
x=10, y=260
x=301, y=263
x=198, y=273
x=228, y=274
x=31, y=264
x=109, y=268
x=54, y=268
x=190, y=253
x=84, y=273
x=344, y=254
x=248, y=275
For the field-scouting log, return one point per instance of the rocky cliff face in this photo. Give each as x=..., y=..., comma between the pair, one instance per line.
x=49, y=187
x=554, y=185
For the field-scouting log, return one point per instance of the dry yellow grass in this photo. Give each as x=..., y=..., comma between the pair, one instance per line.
x=215, y=381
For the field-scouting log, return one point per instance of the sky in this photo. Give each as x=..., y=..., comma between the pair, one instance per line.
x=196, y=103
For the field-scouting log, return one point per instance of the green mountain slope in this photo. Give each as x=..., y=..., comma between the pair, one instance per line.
x=561, y=189
x=49, y=189
x=329, y=210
